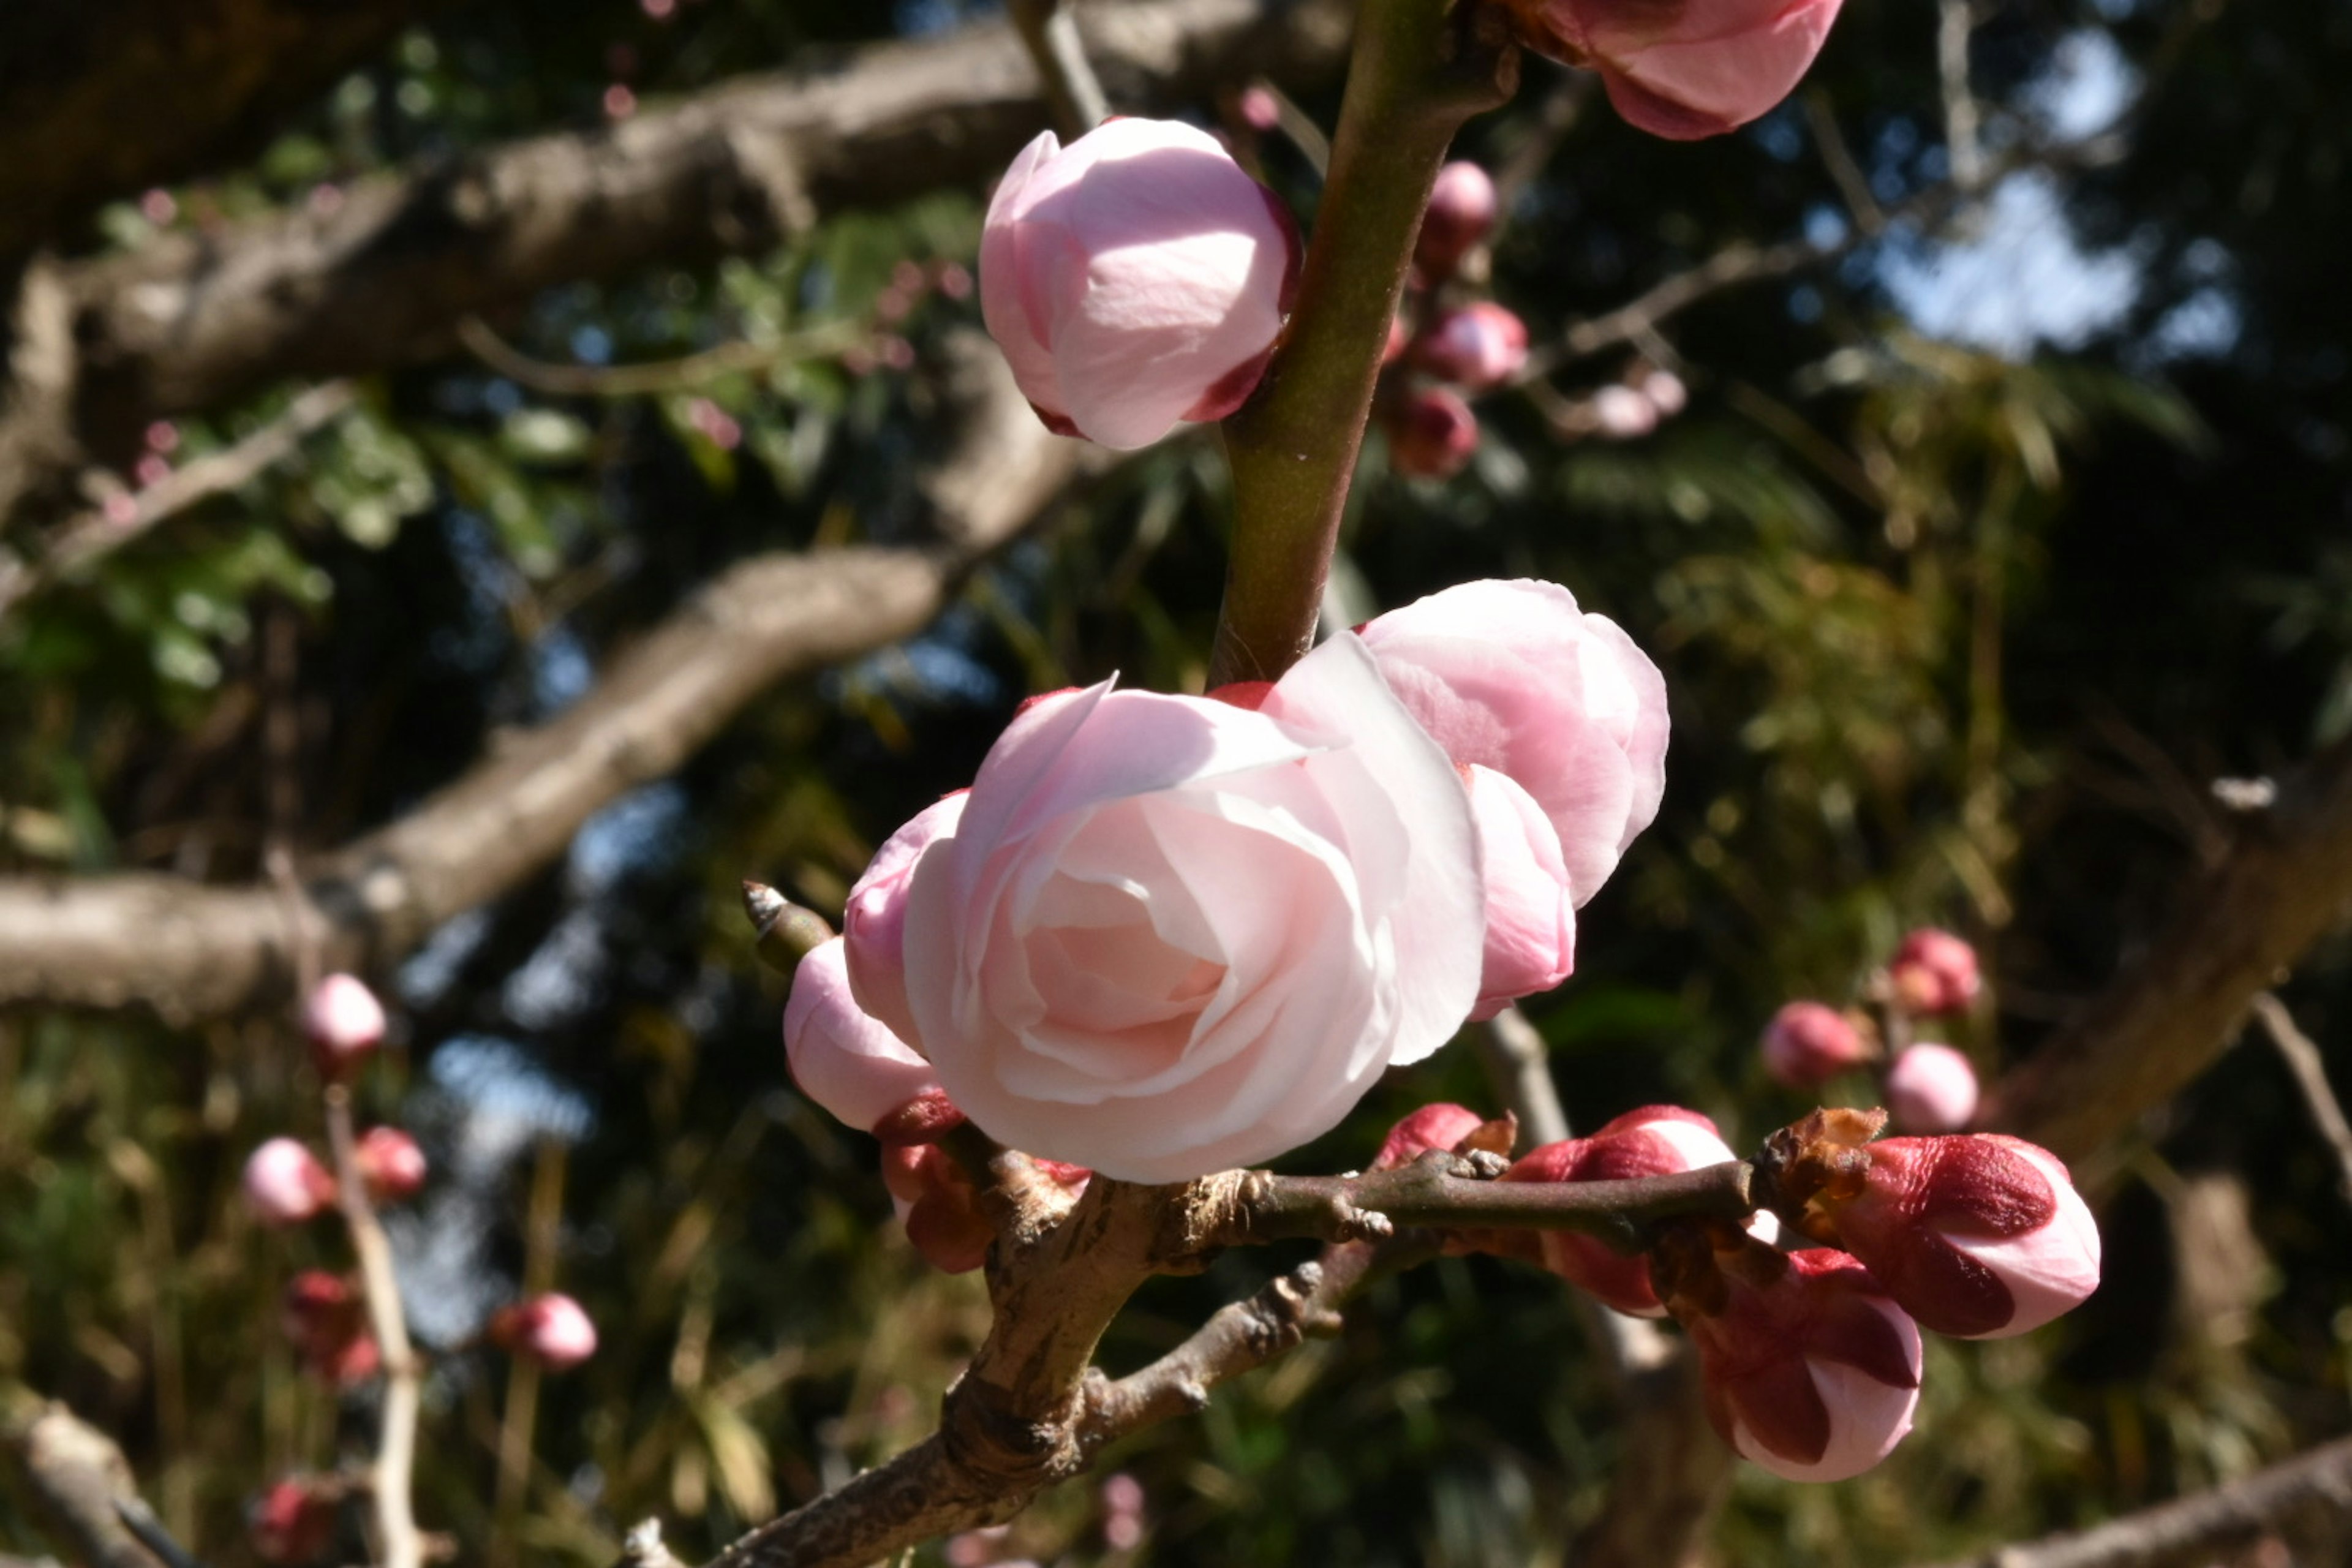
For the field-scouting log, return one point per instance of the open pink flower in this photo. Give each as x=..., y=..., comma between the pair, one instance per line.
x=1807, y=1044
x=1809, y=1369
x=1981, y=1237
x=850, y=1062
x=1931, y=1087
x=1133, y=278
x=1168, y=935
x=874, y=925
x=1684, y=69
x=1513, y=676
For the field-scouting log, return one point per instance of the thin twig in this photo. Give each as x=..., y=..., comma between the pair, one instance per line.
x=1955, y=22
x=2192, y=1529
x=141, y=1520
x=658, y=375
x=1050, y=34
x=1518, y=1068
x=395, y=1457
x=1868, y=215
x=2310, y=1069
x=519, y=1423
x=96, y=534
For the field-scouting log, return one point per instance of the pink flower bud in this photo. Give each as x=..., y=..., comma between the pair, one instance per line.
x=873, y=924
x=1477, y=346
x=1809, y=1369
x=294, y=1520
x=1258, y=110
x=285, y=1183
x=1683, y=69
x=1934, y=971
x=1666, y=392
x=1622, y=414
x=1439, y=1126
x=1809, y=1044
x=1980, y=1237
x=1460, y=215
x=553, y=1330
x=344, y=1022
x=1530, y=900
x=1513, y=676
x=849, y=1062
x=1931, y=1089
x=391, y=1164
x=1432, y=433
x=1655, y=1140
x=1134, y=279
x=936, y=1203
x=325, y=1318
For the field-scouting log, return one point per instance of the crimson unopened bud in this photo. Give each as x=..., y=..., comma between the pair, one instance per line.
x=1931, y=1089
x=1934, y=971
x=294, y=1520
x=1809, y=1044
x=1807, y=1367
x=391, y=1164
x=325, y=1318
x=344, y=1022
x=286, y=1185
x=553, y=1330
x=1979, y=1237
x=1478, y=346
x=935, y=1201
x=1655, y=1140
x=1456, y=1128
x=1460, y=215
x=1432, y=433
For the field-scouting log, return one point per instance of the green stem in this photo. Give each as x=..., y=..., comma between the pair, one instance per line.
x=1418, y=72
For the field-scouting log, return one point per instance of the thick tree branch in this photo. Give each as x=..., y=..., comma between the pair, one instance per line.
x=189, y=951
x=2284, y=884
x=190, y=322
x=2316, y=1486
x=80, y=1477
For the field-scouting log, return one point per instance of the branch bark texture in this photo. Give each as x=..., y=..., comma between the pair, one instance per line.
x=80, y=1477
x=190, y=950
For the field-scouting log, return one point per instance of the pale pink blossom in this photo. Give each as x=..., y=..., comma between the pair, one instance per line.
x=391, y=1164
x=1934, y=971
x=553, y=1329
x=1461, y=214
x=285, y=1183
x=873, y=925
x=1622, y=414
x=1479, y=346
x=1981, y=1237
x=1530, y=903
x=1808, y=1368
x=1931, y=1089
x=1134, y=279
x=844, y=1058
x=1807, y=1044
x=343, y=1019
x=1684, y=69
x=1168, y=935
x=1432, y=433
x=1513, y=676
x=1664, y=391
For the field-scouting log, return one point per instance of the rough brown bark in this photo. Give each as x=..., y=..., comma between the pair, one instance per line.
x=194, y=321
x=189, y=951
x=109, y=97
x=80, y=1477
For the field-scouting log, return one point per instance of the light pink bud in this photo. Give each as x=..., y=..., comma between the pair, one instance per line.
x=1259, y=110
x=1622, y=414
x=1981, y=1237
x=1809, y=1044
x=1666, y=392
x=1134, y=279
x=1432, y=433
x=1513, y=676
x=1477, y=346
x=391, y=1164
x=293, y=1521
x=1460, y=215
x=873, y=924
x=1655, y=1140
x=344, y=1021
x=1934, y=971
x=847, y=1060
x=1684, y=69
x=325, y=1319
x=1530, y=900
x=1809, y=1369
x=1931, y=1089
x=553, y=1330
x=285, y=1183
x=1439, y=1126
